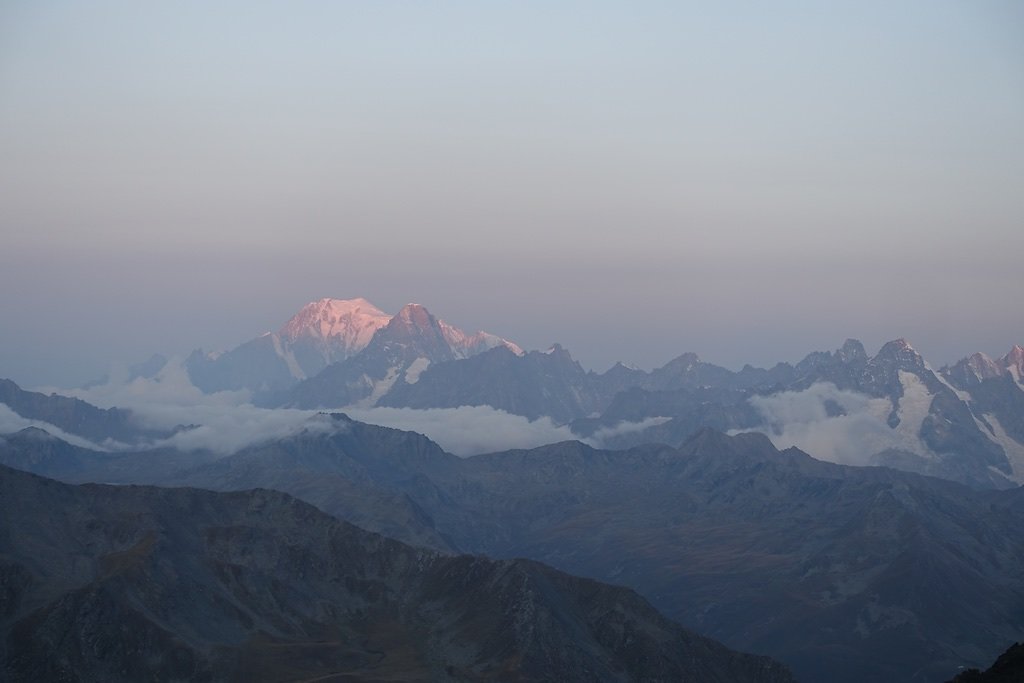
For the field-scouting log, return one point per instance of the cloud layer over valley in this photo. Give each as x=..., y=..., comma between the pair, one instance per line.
x=836, y=425
x=226, y=421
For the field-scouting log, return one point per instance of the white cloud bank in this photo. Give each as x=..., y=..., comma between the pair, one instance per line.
x=226, y=421
x=801, y=419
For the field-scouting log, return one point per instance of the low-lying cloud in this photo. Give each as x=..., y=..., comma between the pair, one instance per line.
x=599, y=437
x=468, y=430
x=226, y=421
x=801, y=419
x=11, y=422
x=223, y=422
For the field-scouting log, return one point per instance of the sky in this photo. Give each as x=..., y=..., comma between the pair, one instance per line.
x=633, y=180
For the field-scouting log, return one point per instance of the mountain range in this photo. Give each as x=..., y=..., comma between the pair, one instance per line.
x=327, y=332
x=963, y=422
x=843, y=573
x=854, y=516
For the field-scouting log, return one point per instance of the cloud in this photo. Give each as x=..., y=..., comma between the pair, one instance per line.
x=226, y=421
x=468, y=430
x=222, y=422
x=170, y=387
x=598, y=438
x=801, y=419
x=11, y=422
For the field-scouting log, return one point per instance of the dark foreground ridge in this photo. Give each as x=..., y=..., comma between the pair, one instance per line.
x=129, y=583
x=1009, y=668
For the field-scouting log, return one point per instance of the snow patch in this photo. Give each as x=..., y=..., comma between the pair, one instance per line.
x=1015, y=373
x=412, y=373
x=380, y=387
x=962, y=395
x=288, y=357
x=1014, y=449
x=913, y=407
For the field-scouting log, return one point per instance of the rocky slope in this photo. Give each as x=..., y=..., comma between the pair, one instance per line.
x=1009, y=668
x=105, y=583
x=844, y=573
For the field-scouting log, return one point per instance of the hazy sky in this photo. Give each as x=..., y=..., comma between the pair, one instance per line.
x=750, y=181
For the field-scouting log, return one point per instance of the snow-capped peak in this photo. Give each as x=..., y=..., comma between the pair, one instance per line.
x=414, y=313
x=983, y=367
x=902, y=352
x=1014, y=357
x=349, y=323
x=1014, y=363
x=464, y=345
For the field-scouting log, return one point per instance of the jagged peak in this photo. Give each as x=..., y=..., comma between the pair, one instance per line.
x=851, y=350
x=1014, y=357
x=413, y=311
x=981, y=360
x=899, y=349
x=620, y=366
x=684, y=362
x=414, y=317
x=465, y=345
x=974, y=369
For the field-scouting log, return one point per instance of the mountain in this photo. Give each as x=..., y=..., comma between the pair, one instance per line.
x=322, y=333
x=138, y=583
x=1009, y=668
x=36, y=450
x=77, y=417
x=330, y=330
x=533, y=384
x=844, y=573
x=994, y=392
x=892, y=407
x=398, y=354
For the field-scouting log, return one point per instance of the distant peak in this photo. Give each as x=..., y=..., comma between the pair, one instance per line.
x=852, y=350
x=975, y=369
x=899, y=354
x=348, y=322
x=1015, y=356
x=983, y=366
x=36, y=434
x=899, y=345
x=683, y=363
x=415, y=314
x=411, y=308
x=1014, y=362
